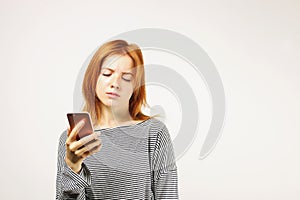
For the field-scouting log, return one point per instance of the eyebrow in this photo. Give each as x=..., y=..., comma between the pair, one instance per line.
x=114, y=70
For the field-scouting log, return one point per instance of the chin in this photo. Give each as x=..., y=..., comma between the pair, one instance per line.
x=111, y=103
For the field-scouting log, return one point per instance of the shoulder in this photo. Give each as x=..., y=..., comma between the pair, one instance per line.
x=161, y=145
x=159, y=131
x=62, y=144
x=63, y=137
x=156, y=124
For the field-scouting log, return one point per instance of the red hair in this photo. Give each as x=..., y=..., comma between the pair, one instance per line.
x=138, y=98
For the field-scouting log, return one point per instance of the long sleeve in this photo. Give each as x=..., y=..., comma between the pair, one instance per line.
x=70, y=185
x=164, y=169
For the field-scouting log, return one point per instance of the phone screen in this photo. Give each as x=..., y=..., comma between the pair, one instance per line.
x=75, y=118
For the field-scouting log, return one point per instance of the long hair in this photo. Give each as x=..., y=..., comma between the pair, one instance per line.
x=138, y=98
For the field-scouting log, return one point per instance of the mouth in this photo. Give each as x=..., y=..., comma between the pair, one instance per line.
x=112, y=94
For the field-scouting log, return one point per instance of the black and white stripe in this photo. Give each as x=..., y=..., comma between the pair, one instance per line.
x=135, y=162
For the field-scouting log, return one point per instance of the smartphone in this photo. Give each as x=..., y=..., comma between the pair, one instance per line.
x=75, y=118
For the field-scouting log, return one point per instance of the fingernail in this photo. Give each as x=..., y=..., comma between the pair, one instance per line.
x=81, y=123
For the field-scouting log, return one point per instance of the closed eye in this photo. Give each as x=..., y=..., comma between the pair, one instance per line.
x=127, y=77
x=128, y=80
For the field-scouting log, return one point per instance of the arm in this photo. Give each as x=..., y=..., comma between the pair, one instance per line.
x=164, y=169
x=73, y=177
x=69, y=184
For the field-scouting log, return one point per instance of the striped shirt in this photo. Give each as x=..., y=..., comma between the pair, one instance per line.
x=135, y=162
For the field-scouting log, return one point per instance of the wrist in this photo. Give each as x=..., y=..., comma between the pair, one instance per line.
x=74, y=167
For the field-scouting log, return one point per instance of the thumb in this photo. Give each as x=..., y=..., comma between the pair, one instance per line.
x=68, y=131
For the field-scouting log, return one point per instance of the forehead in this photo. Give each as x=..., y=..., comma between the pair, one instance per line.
x=118, y=62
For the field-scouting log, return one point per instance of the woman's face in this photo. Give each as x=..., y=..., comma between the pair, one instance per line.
x=115, y=83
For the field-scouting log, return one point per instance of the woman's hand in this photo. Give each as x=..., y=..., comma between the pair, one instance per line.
x=77, y=151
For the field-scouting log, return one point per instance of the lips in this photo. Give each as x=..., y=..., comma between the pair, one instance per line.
x=112, y=94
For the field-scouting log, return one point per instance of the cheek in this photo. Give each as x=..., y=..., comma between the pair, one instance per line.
x=129, y=91
x=99, y=87
x=102, y=82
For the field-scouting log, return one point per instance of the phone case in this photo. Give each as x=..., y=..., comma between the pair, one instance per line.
x=75, y=118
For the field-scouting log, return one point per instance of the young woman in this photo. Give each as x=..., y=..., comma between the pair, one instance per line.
x=130, y=154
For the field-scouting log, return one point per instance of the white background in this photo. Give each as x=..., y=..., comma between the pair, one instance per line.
x=255, y=46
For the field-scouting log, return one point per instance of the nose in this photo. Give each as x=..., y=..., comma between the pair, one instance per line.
x=115, y=83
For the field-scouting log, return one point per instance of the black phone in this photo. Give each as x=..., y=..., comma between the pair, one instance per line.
x=75, y=118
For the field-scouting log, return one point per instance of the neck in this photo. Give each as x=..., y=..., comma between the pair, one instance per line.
x=112, y=116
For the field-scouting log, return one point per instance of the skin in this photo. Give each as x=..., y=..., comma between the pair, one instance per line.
x=117, y=75
x=77, y=151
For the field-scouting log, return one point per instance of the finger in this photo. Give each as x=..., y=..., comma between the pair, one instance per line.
x=87, y=148
x=75, y=130
x=87, y=139
x=98, y=133
x=94, y=150
x=76, y=145
x=68, y=131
